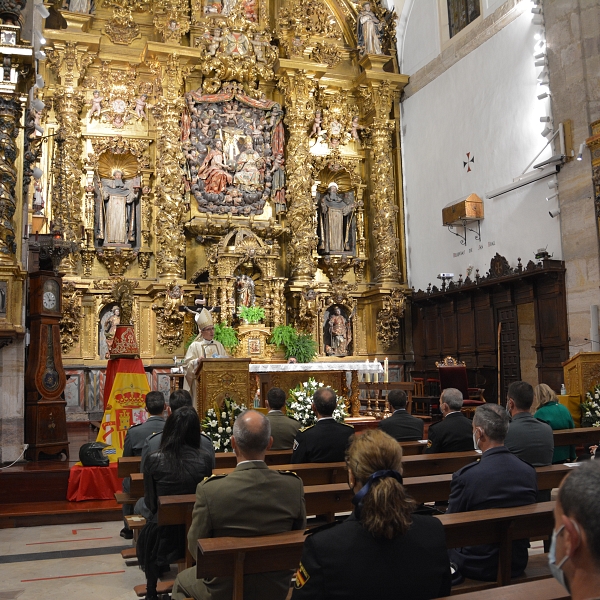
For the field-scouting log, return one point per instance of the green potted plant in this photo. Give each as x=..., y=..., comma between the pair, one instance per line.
x=300, y=346
x=224, y=334
x=252, y=314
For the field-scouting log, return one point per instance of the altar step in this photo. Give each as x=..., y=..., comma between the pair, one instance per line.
x=61, y=512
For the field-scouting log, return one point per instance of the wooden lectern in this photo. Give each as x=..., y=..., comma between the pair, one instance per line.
x=220, y=378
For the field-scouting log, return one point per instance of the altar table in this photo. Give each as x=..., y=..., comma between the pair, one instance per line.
x=333, y=374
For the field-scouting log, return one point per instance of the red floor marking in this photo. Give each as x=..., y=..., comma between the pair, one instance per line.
x=65, y=541
x=70, y=576
x=74, y=531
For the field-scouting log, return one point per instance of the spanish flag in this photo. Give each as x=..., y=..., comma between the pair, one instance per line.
x=125, y=392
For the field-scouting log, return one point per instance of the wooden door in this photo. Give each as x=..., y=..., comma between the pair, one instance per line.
x=510, y=361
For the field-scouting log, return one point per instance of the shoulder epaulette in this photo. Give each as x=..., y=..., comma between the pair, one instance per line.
x=205, y=435
x=288, y=473
x=214, y=477
x=308, y=427
x=153, y=434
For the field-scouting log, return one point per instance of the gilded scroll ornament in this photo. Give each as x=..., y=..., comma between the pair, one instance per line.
x=388, y=318
x=144, y=262
x=70, y=323
x=172, y=19
x=311, y=17
x=326, y=53
x=10, y=114
x=122, y=29
x=116, y=260
x=169, y=321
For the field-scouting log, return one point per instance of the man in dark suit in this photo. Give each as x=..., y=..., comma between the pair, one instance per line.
x=401, y=426
x=283, y=428
x=134, y=441
x=252, y=500
x=454, y=432
x=326, y=440
x=498, y=480
x=528, y=438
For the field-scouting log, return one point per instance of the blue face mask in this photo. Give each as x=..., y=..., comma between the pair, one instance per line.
x=556, y=569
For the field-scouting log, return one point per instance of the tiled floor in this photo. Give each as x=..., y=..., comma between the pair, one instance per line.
x=66, y=562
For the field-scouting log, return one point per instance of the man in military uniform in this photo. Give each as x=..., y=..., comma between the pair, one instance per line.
x=283, y=428
x=454, y=432
x=134, y=442
x=326, y=440
x=401, y=426
x=252, y=500
x=177, y=399
x=204, y=346
x=498, y=480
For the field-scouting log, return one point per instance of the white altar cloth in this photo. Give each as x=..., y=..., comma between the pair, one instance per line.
x=362, y=367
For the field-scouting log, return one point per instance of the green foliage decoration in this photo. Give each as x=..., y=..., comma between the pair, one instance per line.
x=227, y=336
x=252, y=314
x=301, y=346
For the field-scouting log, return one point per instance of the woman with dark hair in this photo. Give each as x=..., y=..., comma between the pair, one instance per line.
x=382, y=550
x=177, y=468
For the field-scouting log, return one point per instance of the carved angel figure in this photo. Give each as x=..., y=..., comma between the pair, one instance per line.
x=316, y=128
x=140, y=106
x=96, y=109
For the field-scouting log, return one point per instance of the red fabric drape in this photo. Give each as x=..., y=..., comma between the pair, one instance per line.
x=93, y=483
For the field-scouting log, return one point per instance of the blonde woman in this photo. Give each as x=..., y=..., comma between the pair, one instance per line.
x=382, y=550
x=546, y=408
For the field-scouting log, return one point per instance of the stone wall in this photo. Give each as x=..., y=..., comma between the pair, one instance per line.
x=12, y=376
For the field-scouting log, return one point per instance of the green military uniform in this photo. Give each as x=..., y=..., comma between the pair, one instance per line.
x=283, y=430
x=252, y=500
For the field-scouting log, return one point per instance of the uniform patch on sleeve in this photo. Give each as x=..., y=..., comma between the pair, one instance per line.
x=429, y=443
x=295, y=446
x=302, y=576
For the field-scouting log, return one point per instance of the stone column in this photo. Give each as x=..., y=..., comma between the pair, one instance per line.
x=574, y=73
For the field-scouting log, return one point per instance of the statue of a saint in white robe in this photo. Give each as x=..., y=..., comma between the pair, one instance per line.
x=369, y=31
x=116, y=214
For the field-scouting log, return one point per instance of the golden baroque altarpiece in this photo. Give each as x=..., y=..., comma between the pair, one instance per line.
x=199, y=146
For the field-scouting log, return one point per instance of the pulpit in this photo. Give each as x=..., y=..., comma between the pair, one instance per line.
x=220, y=378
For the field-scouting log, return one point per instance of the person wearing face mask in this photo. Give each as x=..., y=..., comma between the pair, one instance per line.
x=574, y=556
x=453, y=433
x=498, y=480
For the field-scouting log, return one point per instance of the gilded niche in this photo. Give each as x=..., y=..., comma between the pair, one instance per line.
x=234, y=147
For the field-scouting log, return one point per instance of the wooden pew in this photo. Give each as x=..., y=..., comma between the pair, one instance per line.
x=544, y=589
x=580, y=436
x=236, y=557
x=498, y=526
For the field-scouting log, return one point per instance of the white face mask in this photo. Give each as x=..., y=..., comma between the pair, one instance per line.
x=556, y=569
x=475, y=443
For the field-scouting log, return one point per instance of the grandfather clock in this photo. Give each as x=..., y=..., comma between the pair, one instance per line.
x=45, y=417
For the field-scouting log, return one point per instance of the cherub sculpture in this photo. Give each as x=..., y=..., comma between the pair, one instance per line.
x=96, y=109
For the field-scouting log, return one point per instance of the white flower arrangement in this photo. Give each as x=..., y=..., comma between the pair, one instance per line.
x=590, y=410
x=299, y=403
x=218, y=424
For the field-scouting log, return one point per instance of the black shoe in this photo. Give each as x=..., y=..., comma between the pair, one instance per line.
x=126, y=533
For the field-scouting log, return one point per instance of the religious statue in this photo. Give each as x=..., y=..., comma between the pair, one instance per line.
x=355, y=129
x=110, y=328
x=140, y=106
x=259, y=47
x=213, y=170
x=369, y=31
x=244, y=286
x=96, y=109
x=38, y=199
x=278, y=184
x=316, y=128
x=249, y=164
x=116, y=223
x=340, y=332
x=80, y=6
x=336, y=221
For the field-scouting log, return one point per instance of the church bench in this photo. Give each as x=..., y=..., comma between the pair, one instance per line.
x=499, y=526
x=236, y=557
x=544, y=589
x=580, y=436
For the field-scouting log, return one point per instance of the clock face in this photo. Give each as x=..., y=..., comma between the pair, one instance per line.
x=50, y=380
x=49, y=300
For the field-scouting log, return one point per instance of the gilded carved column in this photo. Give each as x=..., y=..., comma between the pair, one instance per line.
x=384, y=209
x=169, y=190
x=69, y=62
x=10, y=114
x=297, y=89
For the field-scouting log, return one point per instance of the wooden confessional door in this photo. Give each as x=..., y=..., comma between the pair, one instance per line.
x=510, y=361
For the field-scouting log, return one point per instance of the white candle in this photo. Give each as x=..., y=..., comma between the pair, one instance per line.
x=367, y=375
x=376, y=374
x=385, y=371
